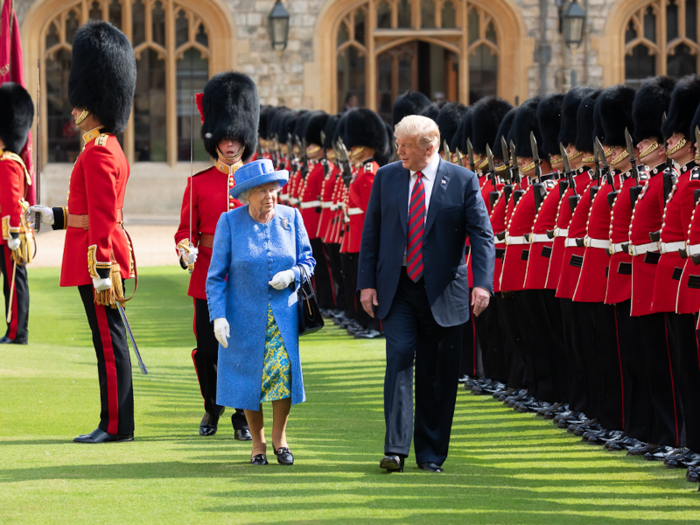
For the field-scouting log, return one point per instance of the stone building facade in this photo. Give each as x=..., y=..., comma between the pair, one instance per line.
x=373, y=49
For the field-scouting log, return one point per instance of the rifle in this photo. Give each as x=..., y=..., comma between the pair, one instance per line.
x=460, y=157
x=345, y=163
x=607, y=173
x=568, y=176
x=537, y=186
x=470, y=154
x=515, y=174
x=637, y=189
x=446, y=151
x=291, y=156
x=304, y=158
x=597, y=174
x=493, y=196
x=506, y=159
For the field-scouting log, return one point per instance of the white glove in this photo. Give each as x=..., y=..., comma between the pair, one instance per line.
x=13, y=244
x=222, y=331
x=101, y=284
x=282, y=279
x=190, y=257
x=46, y=214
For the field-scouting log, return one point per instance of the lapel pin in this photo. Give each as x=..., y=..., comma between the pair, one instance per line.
x=443, y=182
x=285, y=224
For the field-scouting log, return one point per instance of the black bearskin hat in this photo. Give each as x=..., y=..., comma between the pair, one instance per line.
x=466, y=130
x=384, y=157
x=587, y=124
x=549, y=120
x=329, y=130
x=614, y=106
x=103, y=74
x=504, y=131
x=525, y=122
x=16, y=116
x=263, y=125
x=458, y=137
x=694, y=123
x=363, y=127
x=231, y=109
x=431, y=111
x=572, y=100
x=487, y=115
x=339, y=132
x=448, y=121
x=277, y=121
x=410, y=103
x=300, y=126
x=287, y=125
x=650, y=103
x=315, y=124
x=684, y=101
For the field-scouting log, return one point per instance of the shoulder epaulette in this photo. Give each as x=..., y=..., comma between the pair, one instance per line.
x=643, y=175
x=102, y=139
x=369, y=166
x=8, y=155
x=550, y=183
x=695, y=173
x=203, y=171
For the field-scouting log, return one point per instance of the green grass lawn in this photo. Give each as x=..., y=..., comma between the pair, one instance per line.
x=503, y=467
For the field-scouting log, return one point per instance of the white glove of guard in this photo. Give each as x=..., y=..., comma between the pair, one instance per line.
x=101, y=284
x=190, y=257
x=13, y=244
x=46, y=214
x=222, y=331
x=282, y=279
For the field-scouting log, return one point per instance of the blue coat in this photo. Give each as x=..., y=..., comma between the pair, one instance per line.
x=456, y=212
x=246, y=255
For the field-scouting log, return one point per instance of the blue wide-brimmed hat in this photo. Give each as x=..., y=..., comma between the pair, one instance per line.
x=255, y=174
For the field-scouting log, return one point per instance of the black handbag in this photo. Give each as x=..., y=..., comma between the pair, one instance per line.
x=310, y=319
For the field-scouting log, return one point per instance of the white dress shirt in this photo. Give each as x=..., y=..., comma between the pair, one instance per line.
x=429, y=174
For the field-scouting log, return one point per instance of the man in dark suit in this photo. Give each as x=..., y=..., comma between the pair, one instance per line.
x=413, y=276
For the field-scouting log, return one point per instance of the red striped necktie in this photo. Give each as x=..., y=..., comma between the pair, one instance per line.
x=416, y=227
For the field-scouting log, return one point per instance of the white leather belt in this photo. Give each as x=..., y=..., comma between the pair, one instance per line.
x=670, y=247
x=603, y=244
x=692, y=249
x=293, y=200
x=562, y=232
x=641, y=249
x=497, y=241
x=355, y=211
x=570, y=243
x=539, y=237
x=616, y=248
x=327, y=205
x=310, y=204
x=515, y=240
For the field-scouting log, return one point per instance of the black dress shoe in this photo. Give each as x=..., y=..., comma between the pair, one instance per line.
x=368, y=334
x=259, y=459
x=430, y=467
x=463, y=378
x=7, y=341
x=660, y=453
x=392, y=463
x=284, y=455
x=242, y=434
x=693, y=475
x=209, y=424
x=623, y=443
x=642, y=449
x=99, y=436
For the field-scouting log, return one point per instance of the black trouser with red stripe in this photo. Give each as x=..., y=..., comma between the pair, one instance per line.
x=323, y=283
x=17, y=327
x=206, y=358
x=113, y=365
x=333, y=258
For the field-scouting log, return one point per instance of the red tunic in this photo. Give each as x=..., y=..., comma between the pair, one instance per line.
x=96, y=189
x=540, y=243
x=676, y=221
x=564, y=214
x=593, y=279
x=647, y=218
x=311, y=199
x=620, y=274
x=358, y=199
x=517, y=251
x=344, y=222
x=688, y=299
x=498, y=224
x=13, y=184
x=327, y=187
x=210, y=198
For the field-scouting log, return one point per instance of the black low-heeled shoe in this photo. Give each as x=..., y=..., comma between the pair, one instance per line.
x=259, y=459
x=284, y=455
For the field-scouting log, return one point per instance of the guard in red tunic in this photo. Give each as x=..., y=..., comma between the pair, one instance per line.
x=229, y=112
x=98, y=255
x=524, y=210
x=312, y=207
x=367, y=140
x=16, y=241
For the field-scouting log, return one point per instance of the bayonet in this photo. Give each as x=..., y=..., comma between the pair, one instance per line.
x=446, y=151
x=460, y=157
x=470, y=154
x=535, y=156
x=568, y=175
x=493, y=196
x=636, y=190
x=515, y=177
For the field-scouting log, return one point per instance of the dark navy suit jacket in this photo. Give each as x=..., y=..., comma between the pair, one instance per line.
x=456, y=211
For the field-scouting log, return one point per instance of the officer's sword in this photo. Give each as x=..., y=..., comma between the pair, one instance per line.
x=12, y=293
x=122, y=313
x=37, y=167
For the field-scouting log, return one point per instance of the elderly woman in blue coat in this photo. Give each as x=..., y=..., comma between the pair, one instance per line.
x=251, y=290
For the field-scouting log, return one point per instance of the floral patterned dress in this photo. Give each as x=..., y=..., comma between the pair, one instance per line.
x=277, y=372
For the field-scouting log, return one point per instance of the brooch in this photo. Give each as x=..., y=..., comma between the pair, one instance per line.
x=285, y=224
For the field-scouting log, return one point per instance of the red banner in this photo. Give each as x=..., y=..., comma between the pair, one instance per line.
x=11, y=70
